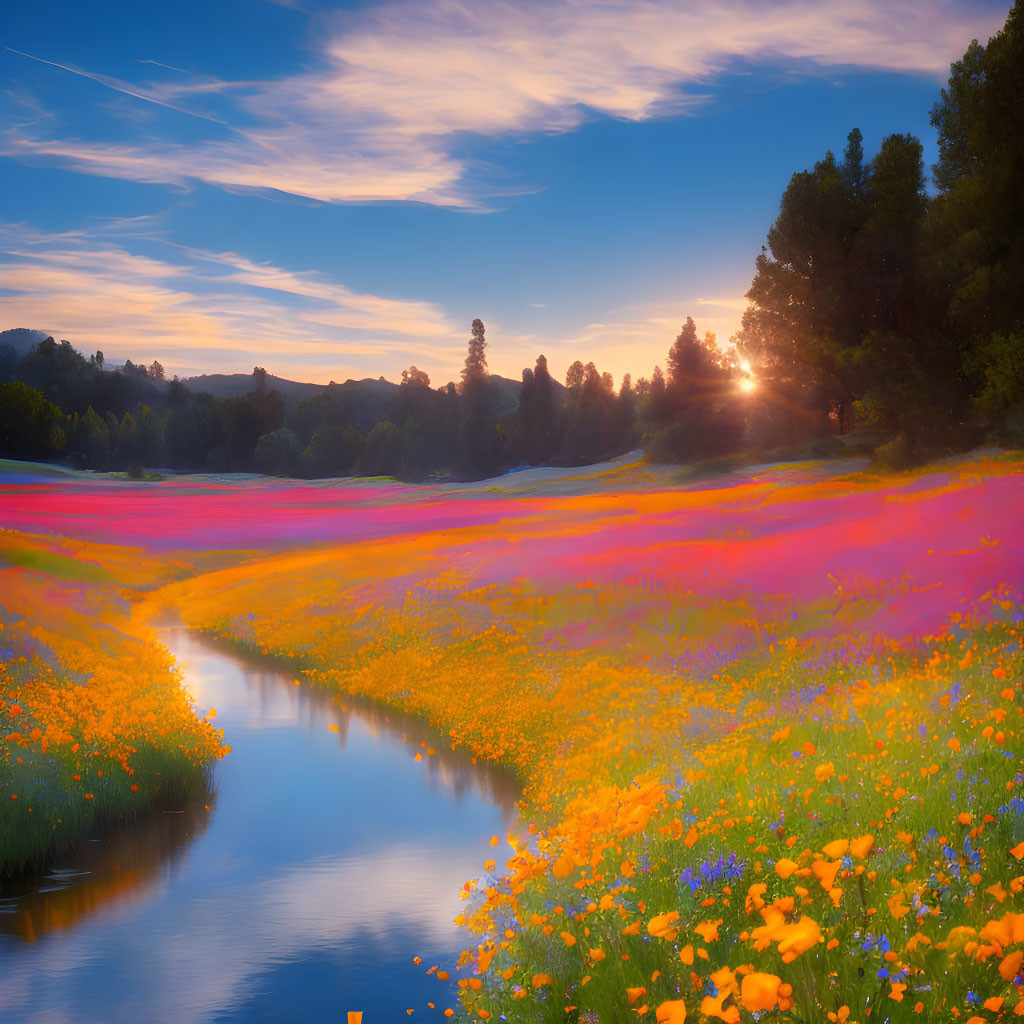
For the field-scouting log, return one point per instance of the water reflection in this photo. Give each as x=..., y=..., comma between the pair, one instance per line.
x=330, y=859
x=275, y=705
x=126, y=864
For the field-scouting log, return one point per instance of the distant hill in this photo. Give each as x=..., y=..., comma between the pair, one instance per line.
x=372, y=394
x=21, y=339
x=221, y=384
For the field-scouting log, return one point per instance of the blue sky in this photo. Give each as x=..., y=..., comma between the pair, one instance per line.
x=336, y=190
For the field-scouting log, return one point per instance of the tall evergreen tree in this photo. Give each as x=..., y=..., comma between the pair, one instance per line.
x=979, y=212
x=700, y=414
x=838, y=308
x=537, y=416
x=480, y=441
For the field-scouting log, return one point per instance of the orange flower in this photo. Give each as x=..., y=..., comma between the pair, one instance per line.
x=784, y=867
x=708, y=930
x=760, y=991
x=997, y=891
x=661, y=925
x=826, y=871
x=861, y=847
x=897, y=905
x=672, y=1011
x=725, y=985
x=563, y=867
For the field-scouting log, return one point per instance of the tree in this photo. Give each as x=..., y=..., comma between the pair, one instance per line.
x=842, y=270
x=382, y=453
x=60, y=372
x=692, y=366
x=335, y=448
x=977, y=226
x=997, y=366
x=700, y=414
x=802, y=323
x=535, y=434
x=851, y=171
x=278, y=453
x=246, y=418
x=590, y=417
x=890, y=237
x=655, y=407
x=413, y=378
x=8, y=361
x=480, y=442
x=625, y=414
x=475, y=368
x=575, y=376
x=31, y=426
x=91, y=440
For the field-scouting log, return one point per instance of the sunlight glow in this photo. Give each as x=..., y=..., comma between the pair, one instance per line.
x=747, y=384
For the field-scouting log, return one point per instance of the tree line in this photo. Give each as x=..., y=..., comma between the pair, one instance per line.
x=874, y=303
x=878, y=303
x=55, y=403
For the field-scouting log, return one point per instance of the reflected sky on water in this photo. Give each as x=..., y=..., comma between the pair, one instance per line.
x=325, y=861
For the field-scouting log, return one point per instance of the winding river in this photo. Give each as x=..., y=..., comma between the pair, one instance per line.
x=328, y=858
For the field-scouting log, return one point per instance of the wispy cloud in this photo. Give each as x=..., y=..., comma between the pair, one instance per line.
x=190, y=306
x=122, y=288
x=634, y=340
x=398, y=85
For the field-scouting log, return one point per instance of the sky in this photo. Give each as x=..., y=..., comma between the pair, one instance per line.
x=335, y=190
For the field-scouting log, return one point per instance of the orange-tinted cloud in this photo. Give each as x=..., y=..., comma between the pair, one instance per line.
x=210, y=311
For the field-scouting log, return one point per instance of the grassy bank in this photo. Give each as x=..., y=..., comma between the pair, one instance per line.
x=94, y=724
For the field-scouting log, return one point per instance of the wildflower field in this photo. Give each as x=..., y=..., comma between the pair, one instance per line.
x=767, y=725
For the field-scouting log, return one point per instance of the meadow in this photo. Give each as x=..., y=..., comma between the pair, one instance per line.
x=767, y=724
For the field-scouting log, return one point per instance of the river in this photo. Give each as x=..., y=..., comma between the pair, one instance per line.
x=326, y=860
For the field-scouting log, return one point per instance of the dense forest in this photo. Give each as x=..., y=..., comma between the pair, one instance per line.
x=876, y=303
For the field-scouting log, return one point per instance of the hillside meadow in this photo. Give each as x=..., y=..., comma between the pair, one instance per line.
x=767, y=724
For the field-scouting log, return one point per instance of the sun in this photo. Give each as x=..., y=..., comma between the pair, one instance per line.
x=747, y=384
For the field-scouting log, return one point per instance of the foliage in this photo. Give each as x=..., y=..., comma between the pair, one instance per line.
x=699, y=413
x=278, y=453
x=979, y=213
x=999, y=365
x=96, y=724
x=30, y=425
